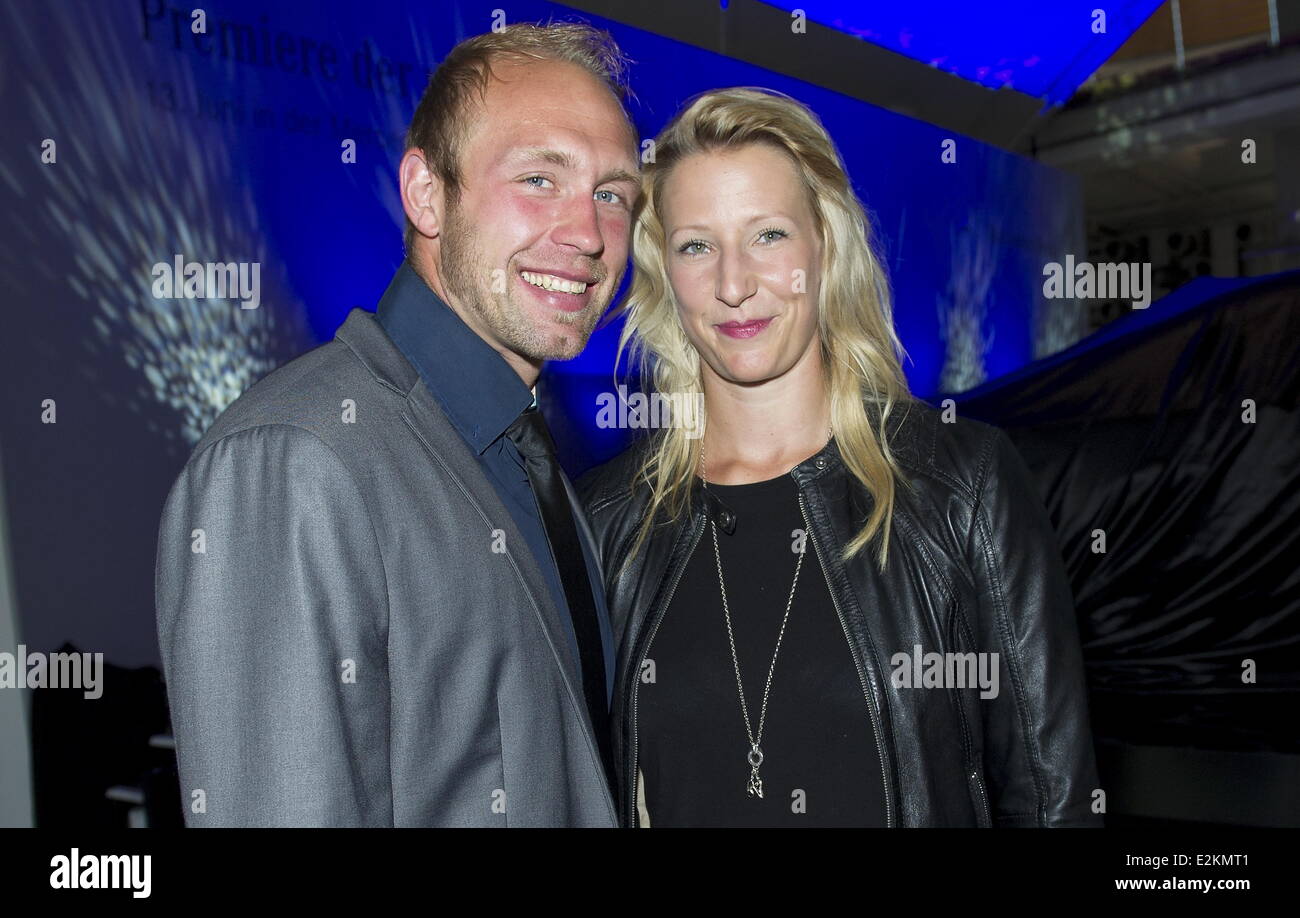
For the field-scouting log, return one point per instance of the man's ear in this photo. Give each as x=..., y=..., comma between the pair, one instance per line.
x=422, y=193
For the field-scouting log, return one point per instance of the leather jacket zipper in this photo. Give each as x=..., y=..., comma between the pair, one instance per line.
x=634, y=818
x=984, y=800
x=871, y=708
x=958, y=632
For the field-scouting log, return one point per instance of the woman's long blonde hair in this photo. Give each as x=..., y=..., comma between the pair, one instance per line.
x=860, y=350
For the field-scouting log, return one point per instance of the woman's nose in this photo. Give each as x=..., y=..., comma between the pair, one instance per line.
x=736, y=282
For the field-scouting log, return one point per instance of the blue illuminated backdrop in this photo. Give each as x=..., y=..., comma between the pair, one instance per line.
x=1043, y=48
x=228, y=148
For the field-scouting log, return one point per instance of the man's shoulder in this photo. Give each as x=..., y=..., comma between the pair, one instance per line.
x=359, y=372
x=301, y=393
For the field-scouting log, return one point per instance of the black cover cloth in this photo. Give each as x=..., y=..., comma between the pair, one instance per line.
x=1138, y=431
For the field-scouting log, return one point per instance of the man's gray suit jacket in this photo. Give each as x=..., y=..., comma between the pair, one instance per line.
x=353, y=629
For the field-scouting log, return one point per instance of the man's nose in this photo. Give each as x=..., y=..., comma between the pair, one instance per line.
x=579, y=227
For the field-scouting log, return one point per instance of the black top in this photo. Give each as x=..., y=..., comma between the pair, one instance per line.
x=818, y=737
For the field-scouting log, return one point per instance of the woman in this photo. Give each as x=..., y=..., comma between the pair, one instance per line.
x=920, y=665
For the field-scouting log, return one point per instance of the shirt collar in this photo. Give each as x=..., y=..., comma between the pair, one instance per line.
x=475, y=386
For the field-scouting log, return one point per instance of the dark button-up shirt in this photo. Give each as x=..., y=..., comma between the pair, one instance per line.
x=482, y=396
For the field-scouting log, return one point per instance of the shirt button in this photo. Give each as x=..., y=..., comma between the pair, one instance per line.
x=820, y=462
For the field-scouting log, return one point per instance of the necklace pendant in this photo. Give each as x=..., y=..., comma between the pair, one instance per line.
x=755, y=759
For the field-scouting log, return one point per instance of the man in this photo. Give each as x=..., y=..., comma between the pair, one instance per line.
x=377, y=599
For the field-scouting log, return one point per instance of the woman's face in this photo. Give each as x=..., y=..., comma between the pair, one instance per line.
x=744, y=260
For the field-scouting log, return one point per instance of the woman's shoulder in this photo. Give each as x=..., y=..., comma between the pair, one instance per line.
x=938, y=444
x=612, y=483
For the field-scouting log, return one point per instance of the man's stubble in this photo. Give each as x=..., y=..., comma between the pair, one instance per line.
x=469, y=280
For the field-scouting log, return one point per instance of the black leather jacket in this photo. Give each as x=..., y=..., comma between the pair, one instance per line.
x=973, y=566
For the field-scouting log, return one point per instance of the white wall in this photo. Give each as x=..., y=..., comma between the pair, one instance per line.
x=15, y=753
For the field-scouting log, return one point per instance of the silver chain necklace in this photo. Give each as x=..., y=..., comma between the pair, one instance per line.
x=755, y=755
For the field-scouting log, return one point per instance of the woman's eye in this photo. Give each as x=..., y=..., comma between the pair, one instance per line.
x=686, y=248
x=772, y=234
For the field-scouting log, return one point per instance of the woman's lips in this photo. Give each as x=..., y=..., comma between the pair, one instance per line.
x=743, y=329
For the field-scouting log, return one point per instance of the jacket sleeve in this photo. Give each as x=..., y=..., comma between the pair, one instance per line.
x=1038, y=755
x=272, y=619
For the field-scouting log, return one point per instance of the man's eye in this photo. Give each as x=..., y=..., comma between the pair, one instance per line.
x=536, y=178
x=613, y=195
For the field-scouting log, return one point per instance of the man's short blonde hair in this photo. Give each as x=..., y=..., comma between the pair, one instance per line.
x=441, y=121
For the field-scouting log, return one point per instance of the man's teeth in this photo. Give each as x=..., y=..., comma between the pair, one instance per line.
x=551, y=282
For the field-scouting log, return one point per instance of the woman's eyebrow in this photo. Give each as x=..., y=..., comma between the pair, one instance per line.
x=763, y=217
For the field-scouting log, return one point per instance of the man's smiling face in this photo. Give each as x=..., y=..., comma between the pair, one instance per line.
x=531, y=253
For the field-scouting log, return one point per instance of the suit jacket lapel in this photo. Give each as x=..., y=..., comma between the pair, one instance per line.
x=365, y=336
x=432, y=427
